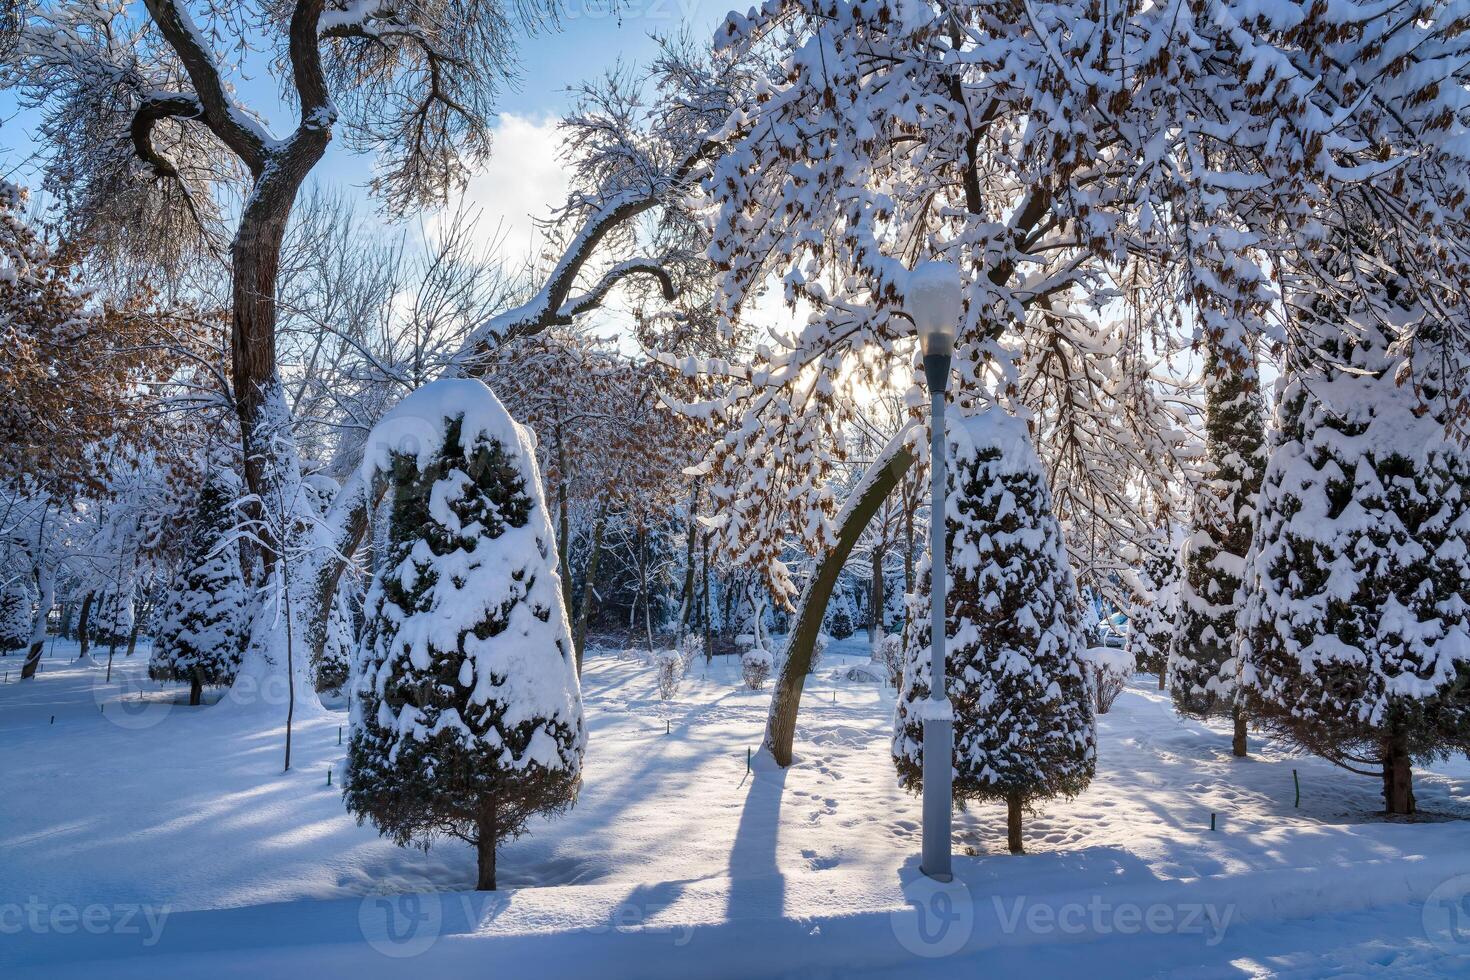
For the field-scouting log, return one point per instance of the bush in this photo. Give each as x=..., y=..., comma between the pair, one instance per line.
x=669, y=666
x=1109, y=670
x=691, y=648
x=891, y=650
x=755, y=666
x=818, y=648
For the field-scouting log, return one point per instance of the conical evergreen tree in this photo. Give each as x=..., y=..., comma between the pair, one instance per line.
x=203, y=620
x=1023, y=718
x=1151, y=615
x=840, y=619
x=1203, y=669
x=15, y=616
x=112, y=615
x=467, y=717
x=1356, y=632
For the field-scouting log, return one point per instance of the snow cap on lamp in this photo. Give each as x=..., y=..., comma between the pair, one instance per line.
x=933, y=300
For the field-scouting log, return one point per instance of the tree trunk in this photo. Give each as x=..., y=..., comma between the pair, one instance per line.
x=485, y=842
x=709, y=647
x=1398, y=776
x=83, y=621
x=686, y=599
x=643, y=588
x=786, y=698
x=876, y=599
x=1238, y=743
x=196, y=689
x=290, y=668
x=47, y=582
x=1163, y=673
x=589, y=586
x=111, y=652
x=1013, y=824
x=726, y=598
x=908, y=550
x=133, y=636
x=563, y=522
x=255, y=260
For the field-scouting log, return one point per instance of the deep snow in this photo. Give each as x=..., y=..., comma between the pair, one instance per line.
x=131, y=820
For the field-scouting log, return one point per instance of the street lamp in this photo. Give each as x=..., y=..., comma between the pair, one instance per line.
x=933, y=300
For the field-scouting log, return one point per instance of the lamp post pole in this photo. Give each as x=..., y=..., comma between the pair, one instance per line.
x=934, y=301
x=938, y=716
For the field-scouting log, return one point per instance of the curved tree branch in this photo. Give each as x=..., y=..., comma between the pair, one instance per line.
x=594, y=297
x=156, y=107
x=235, y=128
x=877, y=483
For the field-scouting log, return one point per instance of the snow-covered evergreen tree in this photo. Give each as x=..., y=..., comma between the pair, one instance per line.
x=1203, y=672
x=1356, y=630
x=1151, y=615
x=112, y=615
x=203, y=623
x=15, y=616
x=840, y=621
x=1023, y=720
x=466, y=716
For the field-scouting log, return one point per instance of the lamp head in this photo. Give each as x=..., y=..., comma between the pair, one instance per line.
x=934, y=300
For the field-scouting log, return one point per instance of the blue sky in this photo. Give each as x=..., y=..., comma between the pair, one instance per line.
x=523, y=178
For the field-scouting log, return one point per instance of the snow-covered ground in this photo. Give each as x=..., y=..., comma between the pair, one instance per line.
x=142, y=838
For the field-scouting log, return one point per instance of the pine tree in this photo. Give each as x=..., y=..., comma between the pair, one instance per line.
x=15, y=616
x=1356, y=632
x=1151, y=616
x=467, y=717
x=1203, y=672
x=1023, y=721
x=840, y=623
x=203, y=622
x=112, y=615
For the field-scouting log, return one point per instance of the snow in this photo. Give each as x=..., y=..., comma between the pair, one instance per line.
x=1109, y=658
x=415, y=425
x=678, y=860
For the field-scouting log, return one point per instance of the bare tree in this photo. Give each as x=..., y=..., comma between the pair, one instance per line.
x=413, y=81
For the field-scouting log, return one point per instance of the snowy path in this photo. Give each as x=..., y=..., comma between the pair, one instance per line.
x=675, y=857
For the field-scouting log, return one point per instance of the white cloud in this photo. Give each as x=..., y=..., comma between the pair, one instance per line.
x=521, y=183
